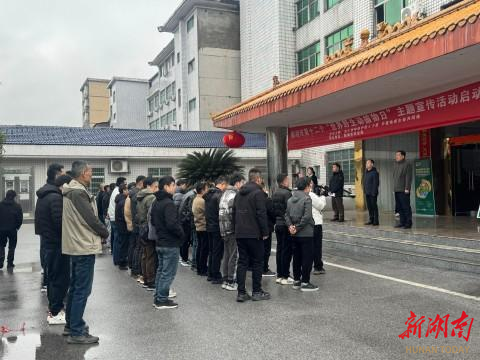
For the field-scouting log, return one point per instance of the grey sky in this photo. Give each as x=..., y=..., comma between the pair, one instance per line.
x=49, y=47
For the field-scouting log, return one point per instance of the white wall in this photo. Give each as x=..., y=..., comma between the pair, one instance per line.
x=129, y=105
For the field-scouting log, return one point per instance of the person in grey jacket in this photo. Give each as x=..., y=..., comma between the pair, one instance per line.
x=299, y=220
x=82, y=233
x=402, y=185
x=227, y=231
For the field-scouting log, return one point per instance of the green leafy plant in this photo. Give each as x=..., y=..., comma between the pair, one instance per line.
x=208, y=165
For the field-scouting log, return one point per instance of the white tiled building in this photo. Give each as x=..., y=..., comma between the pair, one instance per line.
x=286, y=38
x=199, y=70
x=127, y=103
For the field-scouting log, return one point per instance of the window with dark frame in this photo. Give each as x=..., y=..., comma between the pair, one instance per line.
x=190, y=23
x=334, y=42
x=308, y=58
x=307, y=10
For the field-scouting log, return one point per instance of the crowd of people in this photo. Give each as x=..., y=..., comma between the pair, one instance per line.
x=220, y=229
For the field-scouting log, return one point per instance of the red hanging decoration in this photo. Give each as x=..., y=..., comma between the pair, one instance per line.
x=234, y=140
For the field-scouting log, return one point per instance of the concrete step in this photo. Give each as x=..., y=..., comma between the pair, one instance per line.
x=347, y=247
x=409, y=246
x=411, y=235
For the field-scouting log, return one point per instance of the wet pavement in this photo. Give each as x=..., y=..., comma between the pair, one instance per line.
x=355, y=315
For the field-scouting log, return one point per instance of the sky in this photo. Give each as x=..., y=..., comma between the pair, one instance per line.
x=49, y=47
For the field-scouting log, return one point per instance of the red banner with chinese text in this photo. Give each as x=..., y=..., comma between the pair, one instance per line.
x=424, y=144
x=448, y=108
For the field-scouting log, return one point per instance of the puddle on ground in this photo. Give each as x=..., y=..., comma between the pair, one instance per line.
x=34, y=346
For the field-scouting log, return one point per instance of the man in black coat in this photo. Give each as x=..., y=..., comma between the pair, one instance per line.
x=371, y=182
x=53, y=172
x=48, y=224
x=215, y=242
x=336, y=192
x=284, y=240
x=251, y=230
x=169, y=239
x=11, y=218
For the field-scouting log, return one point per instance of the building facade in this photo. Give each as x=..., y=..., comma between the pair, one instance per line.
x=380, y=75
x=199, y=71
x=127, y=102
x=288, y=38
x=95, y=102
x=29, y=150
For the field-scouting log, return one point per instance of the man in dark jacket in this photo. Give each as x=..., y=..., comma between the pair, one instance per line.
x=53, y=172
x=251, y=229
x=122, y=230
x=336, y=192
x=402, y=185
x=284, y=240
x=48, y=224
x=169, y=239
x=11, y=218
x=371, y=182
x=215, y=242
x=134, y=247
x=100, y=195
x=177, y=200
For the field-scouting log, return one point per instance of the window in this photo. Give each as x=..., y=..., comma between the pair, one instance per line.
x=98, y=177
x=170, y=118
x=308, y=58
x=150, y=105
x=179, y=98
x=334, y=41
x=192, y=104
x=114, y=116
x=163, y=120
x=160, y=72
x=178, y=58
x=154, y=124
x=174, y=117
x=173, y=90
x=190, y=23
x=191, y=66
x=157, y=172
x=389, y=10
x=172, y=60
x=162, y=97
x=168, y=93
x=156, y=98
x=345, y=159
x=331, y=3
x=307, y=10
x=113, y=97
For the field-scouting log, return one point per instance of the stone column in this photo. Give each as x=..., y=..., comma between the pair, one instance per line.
x=277, y=154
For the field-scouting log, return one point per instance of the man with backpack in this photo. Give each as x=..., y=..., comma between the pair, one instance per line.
x=145, y=198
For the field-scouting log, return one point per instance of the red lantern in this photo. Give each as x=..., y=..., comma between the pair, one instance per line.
x=234, y=140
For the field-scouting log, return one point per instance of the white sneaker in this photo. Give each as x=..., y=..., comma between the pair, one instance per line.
x=232, y=287
x=43, y=289
x=288, y=281
x=224, y=285
x=278, y=280
x=140, y=280
x=184, y=263
x=172, y=294
x=59, y=319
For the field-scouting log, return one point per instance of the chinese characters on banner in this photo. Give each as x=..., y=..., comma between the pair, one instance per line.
x=461, y=326
x=424, y=144
x=451, y=107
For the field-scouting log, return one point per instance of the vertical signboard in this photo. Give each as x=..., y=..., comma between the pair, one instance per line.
x=424, y=196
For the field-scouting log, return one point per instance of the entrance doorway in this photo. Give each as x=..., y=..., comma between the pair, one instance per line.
x=20, y=180
x=465, y=174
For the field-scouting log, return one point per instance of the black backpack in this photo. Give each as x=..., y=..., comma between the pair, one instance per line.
x=185, y=212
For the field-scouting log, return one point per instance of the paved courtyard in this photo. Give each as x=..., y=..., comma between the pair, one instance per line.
x=359, y=313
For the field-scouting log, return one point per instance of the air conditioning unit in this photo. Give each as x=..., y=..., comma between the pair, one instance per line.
x=413, y=8
x=118, y=166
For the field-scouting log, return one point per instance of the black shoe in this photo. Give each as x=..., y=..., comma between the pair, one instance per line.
x=242, y=297
x=319, y=271
x=334, y=219
x=83, y=339
x=10, y=266
x=209, y=278
x=121, y=267
x=217, y=282
x=369, y=223
x=169, y=304
x=151, y=288
x=308, y=287
x=408, y=226
x=201, y=274
x=398, y=226
x=376, y=224
x=262, y=295
x=66, y=330
x=297, y=284
x=268, y=273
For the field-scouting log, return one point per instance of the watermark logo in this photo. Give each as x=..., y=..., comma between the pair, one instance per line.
x=460, y=328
